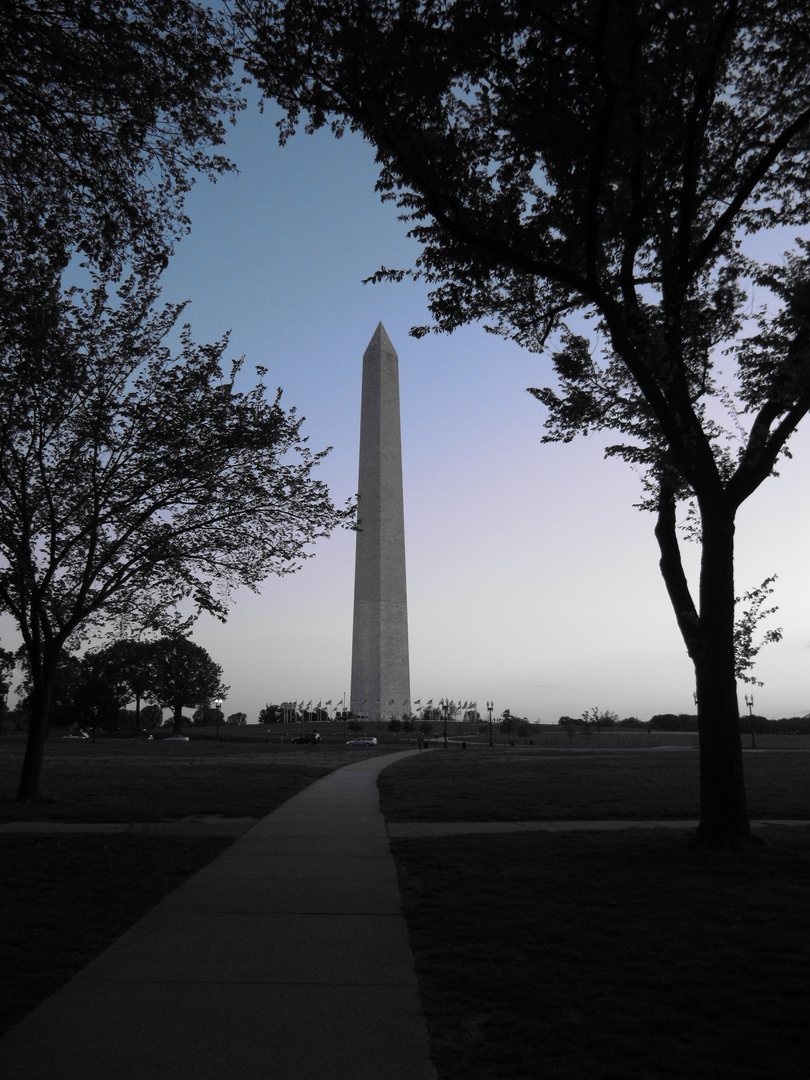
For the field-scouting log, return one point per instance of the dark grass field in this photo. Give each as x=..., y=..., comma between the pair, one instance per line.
x=137, y=780
x=65, y=898
x=537, y=785
x=611, y=956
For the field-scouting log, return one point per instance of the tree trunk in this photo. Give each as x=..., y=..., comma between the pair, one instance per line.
x=723, y=810
x=709, y=638
x=177, y=727
x=42, y=691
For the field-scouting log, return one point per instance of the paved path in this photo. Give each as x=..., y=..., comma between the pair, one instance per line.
x=287, y=958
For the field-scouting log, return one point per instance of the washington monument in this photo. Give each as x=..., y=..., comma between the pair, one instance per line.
x=381, y=685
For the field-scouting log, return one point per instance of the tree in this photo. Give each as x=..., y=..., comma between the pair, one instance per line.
x=237, y=719
x=271, y=714
x=99, y=694
x=611, y=159
x=394, y=725
x=108, y=109
x=133, y=480
x=128, y=663
x=208, y=714
x=599, y=717
x=66, y=675
x=432, y=714
x=745, y=647
x=184, y=676
x=7, y=666
x=514, y=725
x=151, y=717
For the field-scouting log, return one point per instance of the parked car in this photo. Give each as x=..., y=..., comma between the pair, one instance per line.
x=308, y=737
x=364, y=740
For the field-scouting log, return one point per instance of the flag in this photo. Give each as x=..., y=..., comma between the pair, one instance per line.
x=391, y=702
x=309, y=703
x=329, y=702
x=430, y=702
x=418, y=701
x=405, y=704
x=318, y=705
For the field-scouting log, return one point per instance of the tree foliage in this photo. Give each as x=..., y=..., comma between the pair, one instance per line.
x=134, y=477
x=107, y=109
x=7, y=666
x=184, y=675
x=271, y=714
x=612, y=160
x=746, y=646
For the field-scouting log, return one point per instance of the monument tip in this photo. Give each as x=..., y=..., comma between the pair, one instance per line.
x=380, y=338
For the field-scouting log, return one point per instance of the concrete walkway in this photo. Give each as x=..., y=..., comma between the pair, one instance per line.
x=287, y=958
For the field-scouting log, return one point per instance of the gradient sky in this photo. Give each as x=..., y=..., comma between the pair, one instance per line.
x=532, y=579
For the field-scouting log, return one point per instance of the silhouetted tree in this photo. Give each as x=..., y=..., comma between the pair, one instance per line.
x=271, y=714
x=128, y=664
x=614, y=159
x=132, y=479
x=7, y=666
x=109, y=108
x=184, y=675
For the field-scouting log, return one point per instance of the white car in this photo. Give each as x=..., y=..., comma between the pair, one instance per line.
x=366, y=740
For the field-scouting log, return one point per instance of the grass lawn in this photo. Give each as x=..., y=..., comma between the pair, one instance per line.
x=65, y=898
x=606, y=956
x=137, y=780
x=611, y=956
x=536, y=785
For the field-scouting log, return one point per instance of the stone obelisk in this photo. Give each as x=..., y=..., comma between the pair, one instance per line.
x=381, y=685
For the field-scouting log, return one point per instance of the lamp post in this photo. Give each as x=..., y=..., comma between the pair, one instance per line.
x=218, y=707
x=749, y=701
x=445, y=704
x=490, y=707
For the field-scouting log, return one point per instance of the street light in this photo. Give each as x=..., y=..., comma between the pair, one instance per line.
x=218, y=707
x=445, y=706
x=490, y=707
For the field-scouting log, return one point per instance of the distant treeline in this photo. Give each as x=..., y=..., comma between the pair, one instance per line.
x=758, y=725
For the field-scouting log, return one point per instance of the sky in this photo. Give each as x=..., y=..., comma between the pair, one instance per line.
x=533, y=581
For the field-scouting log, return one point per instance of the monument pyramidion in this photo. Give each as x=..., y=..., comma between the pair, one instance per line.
x=380, y=686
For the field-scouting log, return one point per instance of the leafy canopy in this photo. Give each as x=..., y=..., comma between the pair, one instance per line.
x=604, y=157
x=184, y=674
x=107, y=109
x=133, y=477
x=608, y=160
